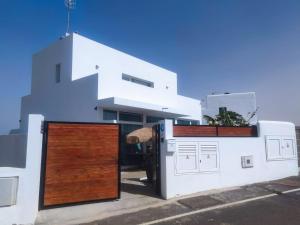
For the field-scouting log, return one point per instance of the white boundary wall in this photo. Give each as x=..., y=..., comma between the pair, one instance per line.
x=26, y=208
x=176, y=181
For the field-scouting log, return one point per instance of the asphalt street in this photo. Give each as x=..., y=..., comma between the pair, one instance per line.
x=269, y=203
x=283, y=209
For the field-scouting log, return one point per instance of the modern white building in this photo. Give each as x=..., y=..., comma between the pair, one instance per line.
x=78, y=79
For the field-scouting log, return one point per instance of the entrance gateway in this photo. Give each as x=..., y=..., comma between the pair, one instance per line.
x=81, y=163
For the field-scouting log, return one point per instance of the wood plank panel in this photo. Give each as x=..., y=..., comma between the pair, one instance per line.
x=82, y=163
x=237, y=131
x=194, y=131
x=213, y=131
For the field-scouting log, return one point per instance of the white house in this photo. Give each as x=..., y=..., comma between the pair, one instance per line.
x=78, y=79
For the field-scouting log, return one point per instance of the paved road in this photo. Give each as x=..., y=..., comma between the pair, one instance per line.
x=278, y=210
x=282, y=208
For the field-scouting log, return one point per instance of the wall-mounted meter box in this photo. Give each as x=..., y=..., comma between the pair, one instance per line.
x=171, y=145
x=8, y=191
x=247, y=161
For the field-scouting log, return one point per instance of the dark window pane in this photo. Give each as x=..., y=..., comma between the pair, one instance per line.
x=153, y=119
x=133, y=117
x=57, y=73
x=194, y=122
x=137, y=80
x=183, y=122
x=109, y=115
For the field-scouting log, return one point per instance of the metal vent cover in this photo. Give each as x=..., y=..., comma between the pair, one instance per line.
x=187, y=147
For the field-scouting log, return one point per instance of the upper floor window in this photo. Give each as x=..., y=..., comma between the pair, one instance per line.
x=137, y=80
x=57, y=72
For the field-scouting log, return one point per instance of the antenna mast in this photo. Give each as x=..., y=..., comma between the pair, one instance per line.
x=70, y=4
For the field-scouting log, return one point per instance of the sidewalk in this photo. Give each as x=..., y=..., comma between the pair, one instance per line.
x=188, y=205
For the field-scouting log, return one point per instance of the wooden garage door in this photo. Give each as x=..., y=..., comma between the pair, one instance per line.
x=80, y=163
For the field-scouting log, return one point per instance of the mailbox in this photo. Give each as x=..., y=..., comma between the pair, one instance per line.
x=171, y=145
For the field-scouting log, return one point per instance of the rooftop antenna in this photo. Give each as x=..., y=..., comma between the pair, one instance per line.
x=70, y=4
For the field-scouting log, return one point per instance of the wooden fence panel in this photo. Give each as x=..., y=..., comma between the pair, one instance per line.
x=194, y=131
x=81, y=163
x=237, y=131
x=213, y=131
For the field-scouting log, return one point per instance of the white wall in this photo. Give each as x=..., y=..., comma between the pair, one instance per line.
x=230, y=171
x=242, y=103
x=26, y=208
x=82, y=85
x=64, y=101
x=112, y=63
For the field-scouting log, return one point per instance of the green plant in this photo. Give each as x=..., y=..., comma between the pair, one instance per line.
x=226, y=118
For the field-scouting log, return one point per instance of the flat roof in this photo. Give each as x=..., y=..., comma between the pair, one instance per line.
x=128, y=105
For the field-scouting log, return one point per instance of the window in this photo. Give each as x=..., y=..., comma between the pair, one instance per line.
x=194, y=122
x=137, y=80
x=109, y=115
x=57, y=73
x=183, y=122
x=153, y=119
x=187, y=122
x=132, y=117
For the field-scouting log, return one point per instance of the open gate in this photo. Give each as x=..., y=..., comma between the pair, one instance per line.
x=156, y=129
x=80, y=163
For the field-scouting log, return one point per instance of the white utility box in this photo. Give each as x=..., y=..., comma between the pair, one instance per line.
x=9, y=189
x=171, y=145
x=247, y=161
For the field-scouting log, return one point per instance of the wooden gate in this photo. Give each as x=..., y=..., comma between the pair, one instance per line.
x=80, y=163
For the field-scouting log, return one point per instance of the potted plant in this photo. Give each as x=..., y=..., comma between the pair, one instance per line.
x=231, y=124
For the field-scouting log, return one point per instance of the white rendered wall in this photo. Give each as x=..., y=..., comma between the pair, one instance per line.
x=26, y=209
x=242, y=103
x=82, y=84
x=64, y=101
x=230, y=172
x=88, y=54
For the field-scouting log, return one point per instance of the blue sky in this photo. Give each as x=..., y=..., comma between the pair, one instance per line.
x=214, y=46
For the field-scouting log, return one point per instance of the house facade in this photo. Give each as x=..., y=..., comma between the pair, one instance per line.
x=78, y=79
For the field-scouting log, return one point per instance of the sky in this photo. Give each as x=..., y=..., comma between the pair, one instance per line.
x=213, y=45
